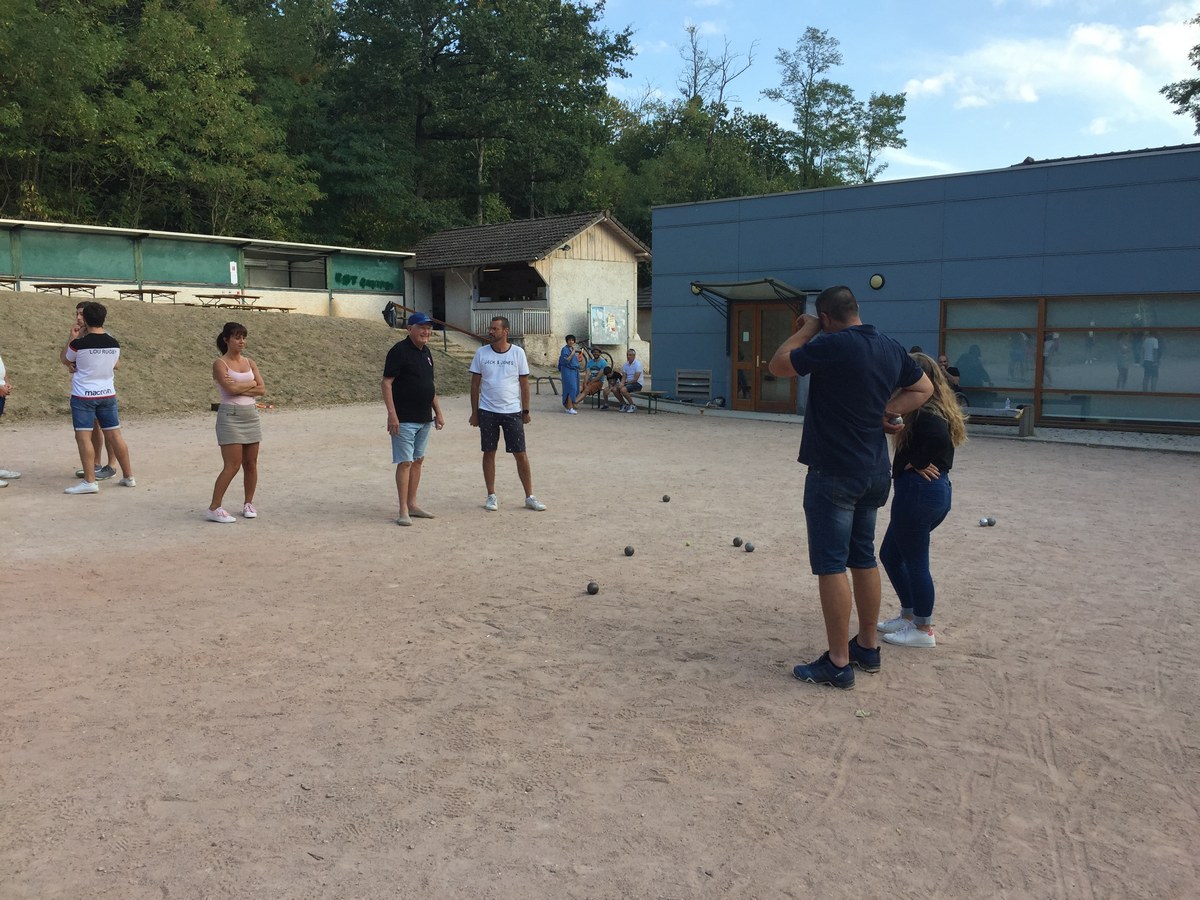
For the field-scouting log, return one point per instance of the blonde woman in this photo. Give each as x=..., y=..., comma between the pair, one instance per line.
x=920, y=502
x=238, y=430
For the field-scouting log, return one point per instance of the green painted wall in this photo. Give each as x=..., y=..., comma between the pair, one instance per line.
x=6, y=259
x=366, y=273
x=76, y=256
x=186, y=262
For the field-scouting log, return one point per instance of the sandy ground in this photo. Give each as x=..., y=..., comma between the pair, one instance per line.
x=320, y=704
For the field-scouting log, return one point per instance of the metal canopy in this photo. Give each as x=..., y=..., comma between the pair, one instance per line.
x=719, y=294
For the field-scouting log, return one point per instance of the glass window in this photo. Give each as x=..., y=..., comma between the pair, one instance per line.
x=993, y=358
x=991, y=313
x=1065, y=407
x=1122, y=361
x=1134, y=311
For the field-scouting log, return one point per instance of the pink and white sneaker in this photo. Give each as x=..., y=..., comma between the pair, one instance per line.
x=249, y=512
x=219, y=515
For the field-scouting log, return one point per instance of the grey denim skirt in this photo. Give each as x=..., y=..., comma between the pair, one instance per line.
x=238, y=424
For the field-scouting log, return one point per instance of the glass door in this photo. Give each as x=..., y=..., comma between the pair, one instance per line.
x=759, y=329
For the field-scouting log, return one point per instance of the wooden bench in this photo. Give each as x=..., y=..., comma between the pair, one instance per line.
x=10, y=283
x=269, y=308
x=1021, y=418
x=652, y=398
x=67, y=288
x=228, y=299
x=144, y=294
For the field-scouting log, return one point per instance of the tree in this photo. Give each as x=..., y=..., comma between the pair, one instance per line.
x=838, y=137
x=1186, y=94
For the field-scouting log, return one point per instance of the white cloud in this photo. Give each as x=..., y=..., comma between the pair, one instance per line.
x=1108, y=73
x=926, y=165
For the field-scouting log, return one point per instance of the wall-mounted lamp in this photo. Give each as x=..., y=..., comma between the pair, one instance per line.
x=565, y=248
x=876, y=281
x=695, y=289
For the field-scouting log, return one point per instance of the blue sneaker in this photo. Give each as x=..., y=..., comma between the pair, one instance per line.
x=825, y=672
x=866, y=658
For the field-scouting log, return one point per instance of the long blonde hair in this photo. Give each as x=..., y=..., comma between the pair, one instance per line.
x=942, y=404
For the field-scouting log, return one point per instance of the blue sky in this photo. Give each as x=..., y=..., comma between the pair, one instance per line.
x=989, y=82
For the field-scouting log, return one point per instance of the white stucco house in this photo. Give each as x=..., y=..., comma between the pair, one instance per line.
x=571, y=274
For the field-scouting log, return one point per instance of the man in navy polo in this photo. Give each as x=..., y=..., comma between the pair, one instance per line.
x=860, y=381
x=412, y=411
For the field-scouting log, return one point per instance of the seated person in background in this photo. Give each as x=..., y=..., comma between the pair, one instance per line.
x=631, y=383
x=594, y=377
x=612, y=383
x=951, y=373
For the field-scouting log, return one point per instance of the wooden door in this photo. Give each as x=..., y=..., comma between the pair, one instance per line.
x=758, y=330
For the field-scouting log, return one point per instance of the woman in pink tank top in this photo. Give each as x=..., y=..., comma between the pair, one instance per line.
x=239, y=431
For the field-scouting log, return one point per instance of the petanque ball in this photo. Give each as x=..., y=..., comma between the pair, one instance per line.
x=991, y=521
x=629, y=551
x=749, y=547
x=737, y=542
x=983, y=522
x=593, y=588
x=666, y=498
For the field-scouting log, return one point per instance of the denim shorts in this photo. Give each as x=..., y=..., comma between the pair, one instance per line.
x=840, y=513
x=412, y=441
x=490, y=425
x=85, y=412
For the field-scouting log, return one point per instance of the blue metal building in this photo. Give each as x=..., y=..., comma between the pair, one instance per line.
x=1074, y=283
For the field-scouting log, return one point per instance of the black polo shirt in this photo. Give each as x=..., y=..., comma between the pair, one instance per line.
x=412, y=387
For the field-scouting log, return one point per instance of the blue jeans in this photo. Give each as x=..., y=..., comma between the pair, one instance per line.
x=919, y=506
x=840, y=512
x=86, y=411
x=412, y=442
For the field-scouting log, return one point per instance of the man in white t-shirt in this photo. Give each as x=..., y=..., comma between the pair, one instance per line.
x=632, y=383
x=500, y=402
x=92, y=358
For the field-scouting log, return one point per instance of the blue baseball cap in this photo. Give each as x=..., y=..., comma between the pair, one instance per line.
x=419, y=318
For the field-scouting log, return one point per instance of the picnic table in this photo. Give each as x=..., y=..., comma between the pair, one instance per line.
x=228, y=299
x=150, y=294
x=10, y=283
x=67, y=288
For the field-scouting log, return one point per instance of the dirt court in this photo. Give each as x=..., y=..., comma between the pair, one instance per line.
x=318, y=703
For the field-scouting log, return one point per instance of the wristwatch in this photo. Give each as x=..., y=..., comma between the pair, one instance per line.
x=524, y=412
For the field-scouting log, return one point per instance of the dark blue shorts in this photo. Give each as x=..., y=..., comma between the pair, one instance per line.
x=490, y=426
x=840, y=512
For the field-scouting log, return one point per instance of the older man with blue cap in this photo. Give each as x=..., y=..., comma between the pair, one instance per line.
x=412, y=411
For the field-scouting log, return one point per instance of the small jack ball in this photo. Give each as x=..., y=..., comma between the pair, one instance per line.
x=593, y=588
x=737, y=542
x=749, y=547
x=629, y=551
x=666, y=498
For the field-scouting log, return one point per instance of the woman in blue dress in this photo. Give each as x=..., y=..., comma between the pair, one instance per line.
x=568, y=370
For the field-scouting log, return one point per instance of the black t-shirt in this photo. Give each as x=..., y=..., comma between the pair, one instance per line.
x=412, y=387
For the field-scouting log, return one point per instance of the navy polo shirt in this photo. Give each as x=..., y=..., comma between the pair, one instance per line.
x=412, y=389
x=854, y=373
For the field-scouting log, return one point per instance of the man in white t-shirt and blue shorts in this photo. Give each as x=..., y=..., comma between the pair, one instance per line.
x=92, y=358
x=500, y=402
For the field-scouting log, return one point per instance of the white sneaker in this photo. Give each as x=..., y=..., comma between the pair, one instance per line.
x=912, y=636
x=12, y=476
x=129, y=481
x=532, y=502
x=491, y=504
x=572, y=412
x=248, y=511
x=632, y=408
x=893, y=625
x=219, y=515
x=3, y=483
x=84, y=487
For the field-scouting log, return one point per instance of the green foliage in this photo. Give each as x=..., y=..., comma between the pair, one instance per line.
x=378, y=122
x=1186, y=94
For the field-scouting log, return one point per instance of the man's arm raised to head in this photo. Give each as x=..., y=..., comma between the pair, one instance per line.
x=807, y=328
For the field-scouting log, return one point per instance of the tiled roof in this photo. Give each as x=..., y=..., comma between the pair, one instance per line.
x=510, y=242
